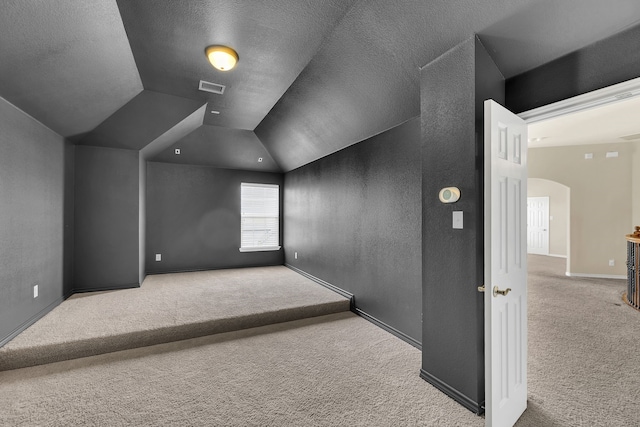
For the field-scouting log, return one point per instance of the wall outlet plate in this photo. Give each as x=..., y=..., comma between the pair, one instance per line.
x=158, y=257
x=35, y=291
x=295, y=255
x=612, y=263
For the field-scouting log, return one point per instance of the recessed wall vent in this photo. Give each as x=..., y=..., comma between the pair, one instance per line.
x=211, y=87
x=631, y=137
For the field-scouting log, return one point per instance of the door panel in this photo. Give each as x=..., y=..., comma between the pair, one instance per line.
x=538, y=225
x=505, y=266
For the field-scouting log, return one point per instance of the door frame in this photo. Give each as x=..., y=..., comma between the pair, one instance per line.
x=597, y=98
x=594, y=99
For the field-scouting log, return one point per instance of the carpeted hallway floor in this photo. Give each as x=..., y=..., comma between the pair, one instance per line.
x=340, y=370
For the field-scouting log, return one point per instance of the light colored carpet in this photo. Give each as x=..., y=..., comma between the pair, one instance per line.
x=337, y=370
x=584, y=349
x=169, y=307
x=340, y=370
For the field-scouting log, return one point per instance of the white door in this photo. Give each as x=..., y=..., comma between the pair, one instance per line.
x=538, y=225
x=505, y=266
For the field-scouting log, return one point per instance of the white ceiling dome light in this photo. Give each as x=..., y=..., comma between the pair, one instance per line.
x=222, y=57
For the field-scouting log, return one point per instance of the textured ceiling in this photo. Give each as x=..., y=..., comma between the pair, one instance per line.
x=601, y=125
x=313, y=76
x=66, y=63
x=275, y=40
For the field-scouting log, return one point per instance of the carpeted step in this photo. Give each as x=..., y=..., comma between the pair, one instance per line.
x=21, y=357
x=170, y=307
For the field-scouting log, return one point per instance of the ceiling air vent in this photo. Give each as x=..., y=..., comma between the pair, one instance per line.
x=631, y=137
x=211, y=87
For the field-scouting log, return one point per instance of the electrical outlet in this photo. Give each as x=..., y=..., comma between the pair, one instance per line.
x=295, y=255
x=35, y=291
x=158, y=257
x=612, y=263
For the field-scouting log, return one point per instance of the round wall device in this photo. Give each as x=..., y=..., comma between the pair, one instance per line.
x=449, y=195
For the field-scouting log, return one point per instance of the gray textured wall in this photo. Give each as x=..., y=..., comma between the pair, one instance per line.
x=193, y=218
x=106, y=237
x=453, y=88
x=32, y=202
x=142, y=216
x=69, y=222
x=354, y=218
x=605, y=63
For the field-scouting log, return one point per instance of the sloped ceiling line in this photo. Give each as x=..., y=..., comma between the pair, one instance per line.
x=176, y=133
x=314, y=76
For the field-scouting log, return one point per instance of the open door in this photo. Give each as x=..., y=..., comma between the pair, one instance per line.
x=505, y=295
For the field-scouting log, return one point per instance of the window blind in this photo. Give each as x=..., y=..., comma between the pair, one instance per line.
x=260, y=217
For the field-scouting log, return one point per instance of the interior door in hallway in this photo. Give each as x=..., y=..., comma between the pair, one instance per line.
x=505, y=265
x=538, y=225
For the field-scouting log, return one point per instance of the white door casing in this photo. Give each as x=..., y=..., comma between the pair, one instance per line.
x=505, y=265
x=538, y=225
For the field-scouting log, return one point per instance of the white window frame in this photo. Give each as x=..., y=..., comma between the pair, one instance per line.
x=244, y=215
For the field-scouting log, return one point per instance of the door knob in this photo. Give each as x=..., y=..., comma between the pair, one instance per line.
x=497, y=291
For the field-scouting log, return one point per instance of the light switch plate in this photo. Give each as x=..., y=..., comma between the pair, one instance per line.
x=458, y=222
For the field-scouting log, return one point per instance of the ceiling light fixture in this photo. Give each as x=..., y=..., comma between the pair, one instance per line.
x=222, y=57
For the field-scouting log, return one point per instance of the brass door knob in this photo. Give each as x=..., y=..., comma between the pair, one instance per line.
x=497, y=291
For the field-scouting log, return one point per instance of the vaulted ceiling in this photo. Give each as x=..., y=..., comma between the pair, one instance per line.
x=314, y=76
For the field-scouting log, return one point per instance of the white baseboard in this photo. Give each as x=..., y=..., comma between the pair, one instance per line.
x=596, y=276
x=558, y=256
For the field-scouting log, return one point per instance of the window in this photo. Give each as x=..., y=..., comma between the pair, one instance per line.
x=260, y=217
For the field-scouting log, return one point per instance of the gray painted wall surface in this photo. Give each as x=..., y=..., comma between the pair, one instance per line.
x=193, y=218
x=106, y=218
x=453, y=88
x=142, y=216
x=32, y=202
x=605, y=63
x=69, y=210
x=354, y=218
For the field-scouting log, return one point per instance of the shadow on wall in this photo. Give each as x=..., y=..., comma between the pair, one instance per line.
x=559, y=214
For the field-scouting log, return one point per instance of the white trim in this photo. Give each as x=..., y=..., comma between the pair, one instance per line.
x=557, y=256
x=261, y=249
x=596, y=276
x=596, y=98
x=251, y=184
